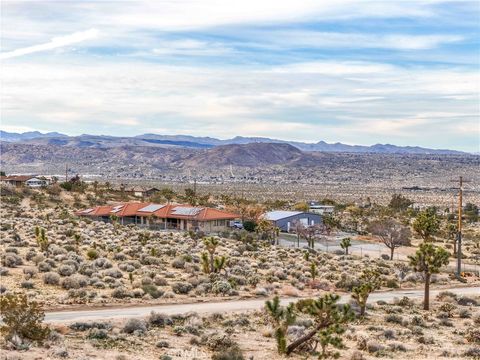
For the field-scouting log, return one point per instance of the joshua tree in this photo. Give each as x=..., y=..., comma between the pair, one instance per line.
x=42, y=239
x=369, y=282
x=327, y=315
x=219, y=263
x=211, y=244
x=426, y=224
x=428, y=259
x=282, y=317
x=392, y=234
x=452, y=230
x=345, y=244
x=313, y=270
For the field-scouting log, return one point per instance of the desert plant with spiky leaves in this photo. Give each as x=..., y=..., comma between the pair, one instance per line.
x=370, y=281
x=345, y=244
x=428, y=260
x=282, y=317
x=328, y=316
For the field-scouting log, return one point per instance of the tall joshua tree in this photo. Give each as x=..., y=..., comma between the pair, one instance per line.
x=428, y=259
x=369, y=282
x=282, y=317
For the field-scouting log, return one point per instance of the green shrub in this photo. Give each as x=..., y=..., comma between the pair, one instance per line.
x=22, y=320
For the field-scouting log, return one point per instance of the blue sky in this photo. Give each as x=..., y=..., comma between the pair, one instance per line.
x=358, y=72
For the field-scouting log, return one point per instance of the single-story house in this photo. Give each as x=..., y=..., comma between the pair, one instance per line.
x=24, y=180
x=285, y=220
x=138, y=191
x=321, y=209
x=163, y=216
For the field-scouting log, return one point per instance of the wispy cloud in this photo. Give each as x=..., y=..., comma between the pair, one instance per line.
x=54, y=43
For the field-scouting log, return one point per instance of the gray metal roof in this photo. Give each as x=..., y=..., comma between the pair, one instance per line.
x=187, y=211
x=280, y=214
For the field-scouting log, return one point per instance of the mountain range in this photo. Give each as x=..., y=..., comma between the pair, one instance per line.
x=187, y=141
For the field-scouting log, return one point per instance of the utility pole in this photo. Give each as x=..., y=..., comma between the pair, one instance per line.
x=459, y=230
x=66, y=172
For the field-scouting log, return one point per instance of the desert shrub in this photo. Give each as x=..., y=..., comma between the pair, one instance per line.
x=182, y=287
x=405, y=302
x=153, y=291
x=44, y=266
x=464, y=314
x=221, y=287
x=92, y=254
x=74, y=282
x=102, y=263
x=446, y=295
x=417, y=321
x=114, y=273
x=3, y=271
x=473, y=353
x=357, y=355
x=397, y=347
x=374, y=347
x=133, y=325
x=98, y=334
x=179, y=330
x=447, y=308
x=11, y=260
x=160, y=281
x=392, y=284
x=178, y=263
x=159, y=320
x=30, y=272
x=147, y=280
x=22, y=320
x=66, y=270
x=393, y=318
x=121, y=293
x=389, y=334
x=82, y=326
x=446, y=322
x=230, y=353
x=466, y=301
x=473, y=335
x=27, y=285
x=51, y=278
x=217, y=341
x=162, y=344
x=426, y=340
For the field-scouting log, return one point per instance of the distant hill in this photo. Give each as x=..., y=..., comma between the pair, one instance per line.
x=250, y=154
x=187, y=141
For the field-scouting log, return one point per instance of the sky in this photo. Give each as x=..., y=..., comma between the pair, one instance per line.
x=357, y=72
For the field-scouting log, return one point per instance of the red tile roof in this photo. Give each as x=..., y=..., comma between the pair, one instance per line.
x=16, y=178
x=166, y=211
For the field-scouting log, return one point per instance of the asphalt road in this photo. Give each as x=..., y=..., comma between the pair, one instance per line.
x=219, y=307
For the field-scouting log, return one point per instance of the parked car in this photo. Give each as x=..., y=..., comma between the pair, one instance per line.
x=237, y=225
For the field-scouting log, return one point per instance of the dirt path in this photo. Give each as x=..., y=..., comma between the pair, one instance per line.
x=218, y=307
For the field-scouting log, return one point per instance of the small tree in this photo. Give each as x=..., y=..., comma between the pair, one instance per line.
x=22, y=320
x=345, y=244
x=392, y=234
x=369, y=282
x=282, y=317
x=428, y=260
x=426, y=224
x=451, y=230
x=399, y=202
x=327, y=315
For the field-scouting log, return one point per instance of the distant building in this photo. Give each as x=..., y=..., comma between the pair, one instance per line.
x=138, y=191
x=285, y=220
x=24, y=180
x=318, y=208
x=163, y=217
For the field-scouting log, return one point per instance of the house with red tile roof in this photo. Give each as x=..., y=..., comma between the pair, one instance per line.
x=163, y=216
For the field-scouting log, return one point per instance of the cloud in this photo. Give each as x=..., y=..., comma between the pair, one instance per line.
x=191, y=47
x=56, y=42
x=336, y=40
